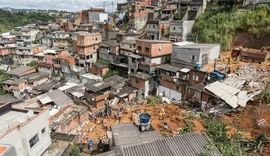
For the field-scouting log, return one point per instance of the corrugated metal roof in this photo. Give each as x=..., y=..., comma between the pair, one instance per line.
x=232, y=96
x=192, y=144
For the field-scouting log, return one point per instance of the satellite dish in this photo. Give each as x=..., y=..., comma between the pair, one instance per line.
x=30, y=113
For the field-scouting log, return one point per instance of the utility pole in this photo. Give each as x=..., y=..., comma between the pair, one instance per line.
x=112, y=6
x=104, y=5
x=220, y=42
x=179, y=10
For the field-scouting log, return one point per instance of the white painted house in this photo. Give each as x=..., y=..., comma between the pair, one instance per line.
x=28, y=131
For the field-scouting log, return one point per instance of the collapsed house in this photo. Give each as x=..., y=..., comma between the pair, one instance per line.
x=112, y=89
x=227, y=95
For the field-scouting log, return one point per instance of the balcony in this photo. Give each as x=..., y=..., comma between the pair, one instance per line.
x=27, y=40
x=146, y=68
x=24, y=52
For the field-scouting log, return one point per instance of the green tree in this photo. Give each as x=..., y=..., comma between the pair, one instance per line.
x=34, y=64
x=217, y=23
x=177, y=16
x=3, y=77
x=217, y=131
x=9, y=21
x=74, y=151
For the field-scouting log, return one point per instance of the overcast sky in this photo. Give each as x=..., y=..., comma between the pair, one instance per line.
x=69, y=5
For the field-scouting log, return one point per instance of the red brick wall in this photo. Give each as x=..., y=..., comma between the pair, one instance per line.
x=94, y=70
x=85, y=16
x=87, y=50
x=139, y=85
x=104, y=71
x=98, y=71
x=88, y=39
x=100, y=104
x=201, y=76
x=154, y=48
x=4, y=51
x=68, y=59
x=166, y=50
x=84, y=116
x=170, y=85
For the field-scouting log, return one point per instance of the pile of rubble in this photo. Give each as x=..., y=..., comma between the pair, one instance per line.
x=251, y=73
x=239, y=88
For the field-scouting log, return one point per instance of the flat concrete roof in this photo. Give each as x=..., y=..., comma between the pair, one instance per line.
x=196, y=46
x=91, y=76
x=10, y=119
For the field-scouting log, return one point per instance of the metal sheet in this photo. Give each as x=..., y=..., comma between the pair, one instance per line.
x=45, y=100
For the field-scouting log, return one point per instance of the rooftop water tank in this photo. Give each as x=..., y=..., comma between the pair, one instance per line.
x=198, y=65
x=145, y=118
x=144, y=122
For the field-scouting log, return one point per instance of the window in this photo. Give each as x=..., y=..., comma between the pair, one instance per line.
x=94, y=47
x=177, y=88
x=137, y=81
x=154, y=26
x=91, y=56
x=133, y=60
x=34, y=141
x=130, y=46
x=43, y=130
x=195, y=78
x=96, y=39
x=81, y=49
x=139, y=48
x=193, y=57
x=173, y=28
x=147, y=49
x=81, y=41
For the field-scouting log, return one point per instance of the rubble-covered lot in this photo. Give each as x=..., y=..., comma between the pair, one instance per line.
x=175, y=116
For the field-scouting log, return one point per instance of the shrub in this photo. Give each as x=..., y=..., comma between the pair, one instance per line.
x=74, y=151
x=217, y=131
x=152, y=100
x=177, y=16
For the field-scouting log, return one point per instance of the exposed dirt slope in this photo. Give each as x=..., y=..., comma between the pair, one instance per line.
x=249, y=41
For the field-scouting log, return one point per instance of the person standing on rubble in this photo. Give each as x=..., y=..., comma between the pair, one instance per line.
x=119, y=117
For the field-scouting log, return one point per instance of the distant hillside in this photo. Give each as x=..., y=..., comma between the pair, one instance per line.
x=10, y=20
x=235, y=26
x=13, y=9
